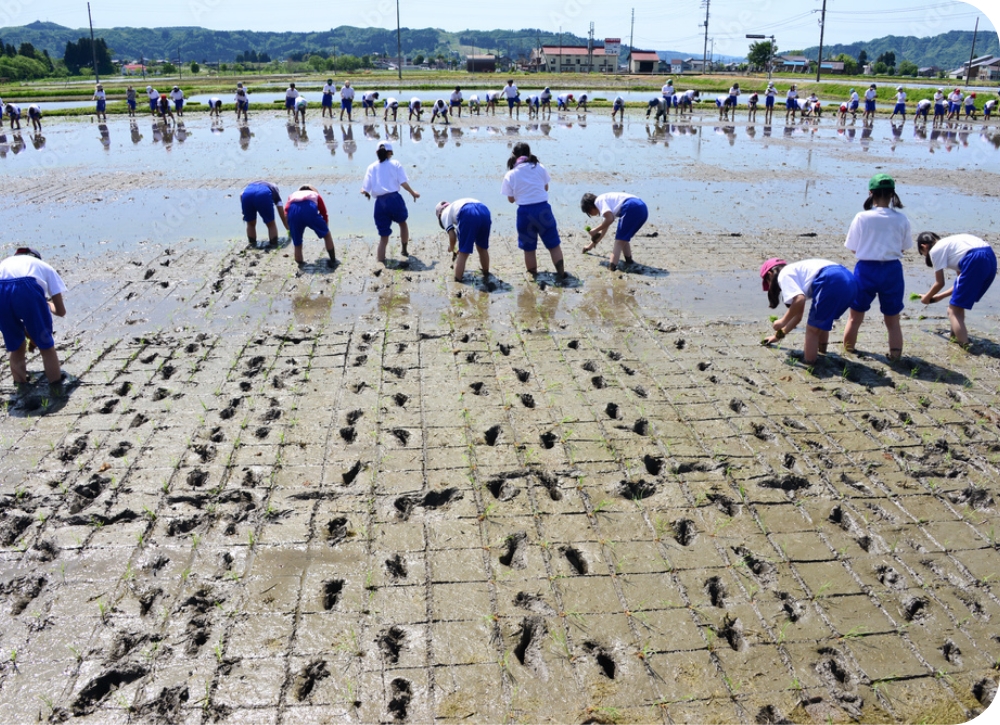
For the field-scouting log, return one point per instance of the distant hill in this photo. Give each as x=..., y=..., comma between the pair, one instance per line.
x=201, y=44
x=947, y=50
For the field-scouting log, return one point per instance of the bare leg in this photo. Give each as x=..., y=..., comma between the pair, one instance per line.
x=19, y=363
x=810, y=348
x=895, y=337
x=272, y=232
x=824, y=340
x=531, y=263
x=299, y=259
x=621, y=247
x=460, y=266
x=484, y=261
x=557, y=260
x=958, y=330
x=50, y=361
x=851, y=330
x=252, y=232
x=328, y=241
x=404, y=237
x=383, y=243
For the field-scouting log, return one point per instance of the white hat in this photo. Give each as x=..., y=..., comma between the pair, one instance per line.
x=149, y=88
x=440, y=208
x=899, y=88
x=385, y=145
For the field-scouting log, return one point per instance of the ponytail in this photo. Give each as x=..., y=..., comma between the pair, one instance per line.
x=382, y=154
x=520, y=150
x=883, y=194
x=774, y=289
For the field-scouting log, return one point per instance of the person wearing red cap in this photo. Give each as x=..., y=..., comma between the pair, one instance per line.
x=31, y=291
x=970, y=106
x=830, y=286
x=954, y=103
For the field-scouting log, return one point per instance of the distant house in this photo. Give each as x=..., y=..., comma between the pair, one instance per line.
x=676, y=65
x=695, y=64
x=832, y=66
x=572, y=59
x=133, y=69
x=481, y=63
x=792, y=63
x=930, y=71
x=983, y=68
x=643, y=61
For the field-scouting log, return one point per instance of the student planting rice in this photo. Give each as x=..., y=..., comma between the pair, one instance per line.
x=769, y=95
x=976, y=264
x=870, y=96
x=830, y=286
x=563, y=100
x=31, y=292
x=346, y=101
x=242, y=101
x=512, y=95
x=305, y=210
x=130, y=101
x=455, y=101
x=618, y=107
x=177, y=96
x=631, y=213
x=467, y=222
x=383, y=179
x=101, y=101
x=853, y=102
x=878, y=236
x=791, y=102
x=473, y=105
x=215, y=107
x=526, y=184
x=154, y=100
x=263, y=198
x=415, y=108
x=582, y=101
x=368, y=103
x=545, y=99
x=440, y=108
x=300, y=109
x=391, y=104
x=900, y=107
x=659, y=105
x=534, y=105
x=35, y=116
x=329, y=88
x=290, y=95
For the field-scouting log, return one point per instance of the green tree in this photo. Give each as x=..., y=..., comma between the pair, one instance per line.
x=888, y=57
x=317, y=63
x=195, y=68
x=907, y=68
x=27, y=50
x=850, y=65
x=81, y=55
x=418, y=59
x=168, y=68
x=761, y=52
x=880, y=68
x=862, y=59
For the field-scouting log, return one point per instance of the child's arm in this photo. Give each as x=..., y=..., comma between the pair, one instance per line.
x=452, y=241
x=598, y=232
x=932, y=294
x=57, y=305
x=406, y=186
x=281, y=213
x=789, y=321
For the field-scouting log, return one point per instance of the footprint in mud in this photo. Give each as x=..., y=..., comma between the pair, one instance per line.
x=685, y=532
x=306, y=679
x=640, y=391
x=137, y=420
x=396, y=567
x=336, y=530
x=716, y=590
x=527, y=400
x=108, y=406
x=636, y=490
x=598, y=382
x=590, y=366
x=348, y=434
x=68, y=453
x=391, y=643
x=502, y=489
x=197, y=478
x=603, y=658
x=492, y=435
x=349, y=476
x=703, y=366
x=548, y=440
x=737, y=406
x=262, y=432
x=479, y=388
x=627, y=370
x=530, y=639
x=573, y=344
x=401, y=435
x=515, y=554
x=613, y=411
x=354, y=416
x=614, y=355
x=332, y=591
x=400, y=399
x=533, y=603
x=653, y=464
x=680, y=343
x=731, y=632
x=400, y=694
x=641, y=427
x=504, y=349
x=576, y=559
x=97, y=690
x=120, y=450
x=522, y=375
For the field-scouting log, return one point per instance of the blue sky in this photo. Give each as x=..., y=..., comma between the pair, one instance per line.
x=658, y=25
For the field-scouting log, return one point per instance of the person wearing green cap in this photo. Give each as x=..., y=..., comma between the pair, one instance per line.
x=878, y=236
x=329, y=88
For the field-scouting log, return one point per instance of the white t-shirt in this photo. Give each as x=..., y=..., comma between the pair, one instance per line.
x=391, y=103
x=955, y=97
x=582, y=98
x=24, y=265
x=771, y=92
x=854, y=97
x=368, y=97
x=797, y=278
x=545, y=96
x=440, y=106
x=347, y=93
x=99, y=95
x=901, y=97
x=938, y=97
x=456, y=97
x=414, y=103
x=177, y=95
x=923, y=104
x=241, y=95
x=734, y=91
x=563, y=98
x=534, y=101
x=668, y=90
x=291, y=93
x=473, y=100
x=213, y=101
x=449, y=217
x=991, y=104
x=153, y=95
x=384, y=177
x=612, y=202
x=879, y=235
x=510, y=91
x=300, y=103
x=870, y=94
x=526, y=182
x=792, y=93
x=948, y=252
x=329, y=88
x=492, y=95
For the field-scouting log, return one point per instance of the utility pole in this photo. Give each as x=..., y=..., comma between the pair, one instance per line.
x=399, y=45
x=559, y=69
x=822, y=27
x=704, y=52
x=93, y=47
x=631, y=38
x=968, y=72
x=180, y=66
x=590, y=49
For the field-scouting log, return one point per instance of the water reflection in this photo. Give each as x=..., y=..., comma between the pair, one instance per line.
x=440, y=136
x=245, y=136
x=350, y=145
x=330, y=139
x=38, y=141
x=310, y=310
x=133, y=128
x=105, y=136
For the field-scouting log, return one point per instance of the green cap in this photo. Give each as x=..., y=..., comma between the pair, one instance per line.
x=881, y=181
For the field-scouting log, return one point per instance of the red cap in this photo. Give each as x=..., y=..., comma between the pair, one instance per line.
x=767, y=267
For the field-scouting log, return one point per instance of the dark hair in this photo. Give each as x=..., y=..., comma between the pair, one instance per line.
x=881, y=194
x=458, y=88
x=382, y=153
x=773, y=289
x=588, y=202
x=927, y=239
x=521, y=149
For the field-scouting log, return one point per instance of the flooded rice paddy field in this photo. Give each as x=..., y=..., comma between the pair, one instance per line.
x=378, y=495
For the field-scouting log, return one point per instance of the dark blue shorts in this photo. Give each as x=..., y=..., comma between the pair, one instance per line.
x=668, y=99
x=289, y=103
x=852, y=106
x=534, y=221
x=23, y=309
x=242, y=105
x=833, y=291
x=131, y=104
x=899, y=108
x=970, y=110
x=511, y=102
x=370, y=103
x=881, y=279
x=153, y=103
x=327, y=100
x=731, y=100
x=256, y=199
x=952, y=107
x=922, y=111
x=389, y=208
x=769, y=101
x=473, y=227
x=304, y=215
x=179, y=106
x=631, y=217
x=101, y=105
x=938, y=109
x=791, y=104
x=977, y=270
x=618, y=105
x=346, y=104
x=869, y=106
x=453, y=104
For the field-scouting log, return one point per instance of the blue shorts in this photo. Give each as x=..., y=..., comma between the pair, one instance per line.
x=346, y=104
x=631, y=217
x=389, y=208
x=179, y=106
x=952, y=107
x=289, y=103
x=131, y=104
x=511, y=102
x=256, y=199
x=153, y=103
x=987, y=112
x=833, y=291
x=977, y=270
x=791, y=104
x=922, y=111
x=242, y=105
x=899, y=108
x=853, y=106
x=970, y=109
x=101, y=105
x=884, y=279
x=534, y=221
x=453, y=104
x=668, y=99
x=304, y=215
x=769, y=101
x=731, y=101
x=473, y=227
x=618, y=105
x=370, y=103
x=938, y=109
x=327, y=100
x=869, y=106
x=23, y=309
